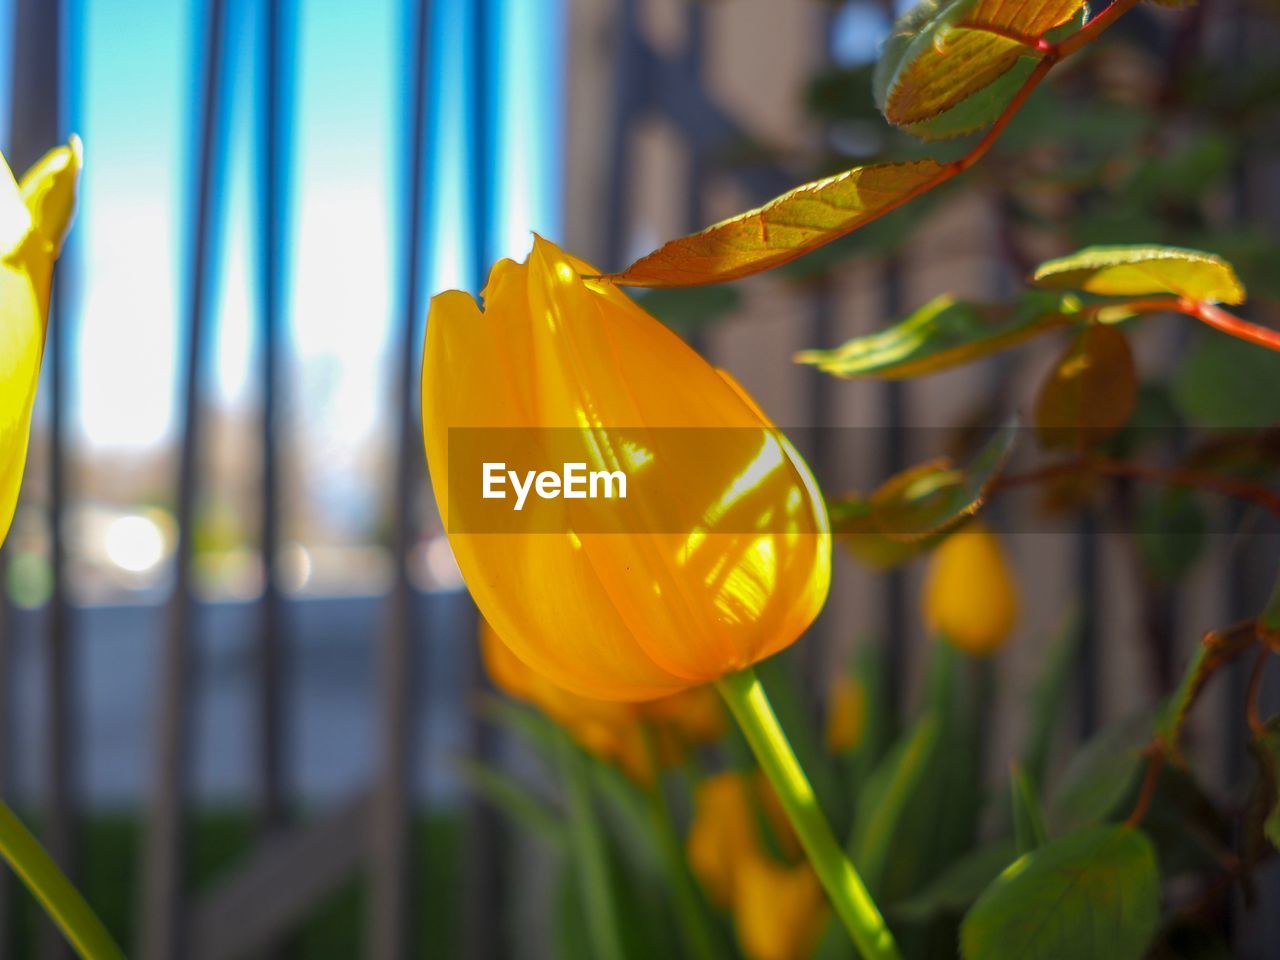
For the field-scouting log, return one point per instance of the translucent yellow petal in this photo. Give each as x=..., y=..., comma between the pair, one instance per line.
x=15, y=219
x=21, y=345
x=661, y=606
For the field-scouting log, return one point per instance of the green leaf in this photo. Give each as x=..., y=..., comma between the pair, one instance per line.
x=943, y=333
x=1094, y=895
x=923, y=835
x=1216, y=649
x=1269, y=619
x=1133, y=271
x=884, y=799
x=1172, y=533
x=1028, y=821
x=1266, y=752
x=514, y=799
x=942, y=54
x=693, y=310
x=1048, y=701
x=1226, y=383
x=915, y=509
x=1101, y=775
x=1091, y=392
x=953, y=890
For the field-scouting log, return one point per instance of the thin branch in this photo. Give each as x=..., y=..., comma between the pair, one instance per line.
x=1049, y=54
x=1208, y=313
x=1251, y=697
x=1255, y=493
x=1155, y=760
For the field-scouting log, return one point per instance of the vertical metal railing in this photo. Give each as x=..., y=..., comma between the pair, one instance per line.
x=273, y=224
x=37, y=124
x=164, y=870
x=390, y=864
x=485, y=933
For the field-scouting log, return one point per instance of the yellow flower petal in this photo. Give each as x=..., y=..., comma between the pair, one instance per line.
x=33, y=221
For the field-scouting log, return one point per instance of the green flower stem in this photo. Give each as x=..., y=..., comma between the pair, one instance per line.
x=697, y=931
x=586, y=842
x=60, y=900
x=750, y=706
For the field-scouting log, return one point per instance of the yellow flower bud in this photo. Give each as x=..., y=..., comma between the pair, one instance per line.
x=34, y=218
x=846, y=714
x=969, y=594
x=778, y=906
x=642, y=611
x=779, y=911
x=615, y=732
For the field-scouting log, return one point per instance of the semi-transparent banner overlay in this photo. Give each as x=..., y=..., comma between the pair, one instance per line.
x=747, y=480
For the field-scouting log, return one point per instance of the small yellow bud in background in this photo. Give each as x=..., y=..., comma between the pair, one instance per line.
x=846, y=714
x=779, y=909
x=969, y=593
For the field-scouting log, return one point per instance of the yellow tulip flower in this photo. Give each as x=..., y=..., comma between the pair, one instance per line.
x=969, y=593
x=632, y=736
x=34, y=218
x=778, y=906
x=614, y=602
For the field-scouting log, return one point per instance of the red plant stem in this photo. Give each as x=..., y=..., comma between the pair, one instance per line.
x=1263, y=496
x=1155, y=760
x=1212, y=315
x=1251, y=697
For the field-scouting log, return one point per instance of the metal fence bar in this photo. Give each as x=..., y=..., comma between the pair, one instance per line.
x=161, y=906
x=37, y=124
x=389, y=928
x=485, y=897
x=272, y=226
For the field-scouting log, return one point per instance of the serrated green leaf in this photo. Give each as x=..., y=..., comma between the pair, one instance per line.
x=1139, y=271
x=1093, y=895
x=959, y=885
x=941, y=54
x=943, y=333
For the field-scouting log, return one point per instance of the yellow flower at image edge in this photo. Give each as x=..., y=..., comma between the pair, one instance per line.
x=969, y=594
x=779, y=909
x=34, y=218
x=647, y=612
x=633, y=736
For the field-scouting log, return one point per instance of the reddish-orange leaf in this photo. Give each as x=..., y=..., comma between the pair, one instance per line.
x=785, y=228
x=960, y=52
